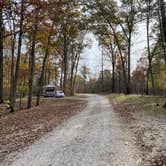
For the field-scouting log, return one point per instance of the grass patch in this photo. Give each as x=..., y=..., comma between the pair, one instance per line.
x=154, y=103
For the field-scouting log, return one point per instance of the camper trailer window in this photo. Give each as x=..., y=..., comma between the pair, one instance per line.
x=50, y=89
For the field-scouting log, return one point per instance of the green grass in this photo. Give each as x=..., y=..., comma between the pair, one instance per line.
x=148, y=102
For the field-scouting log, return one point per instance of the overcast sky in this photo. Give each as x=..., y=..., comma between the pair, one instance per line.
x=92, y=56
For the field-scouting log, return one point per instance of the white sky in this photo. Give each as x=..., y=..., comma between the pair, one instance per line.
x=92, y=56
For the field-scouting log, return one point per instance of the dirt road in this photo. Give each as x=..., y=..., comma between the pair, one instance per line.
x=94, y=137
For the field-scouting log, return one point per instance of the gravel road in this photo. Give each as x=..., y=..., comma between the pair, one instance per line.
x=94, y=137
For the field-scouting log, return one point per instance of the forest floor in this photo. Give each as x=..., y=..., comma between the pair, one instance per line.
x=22, y=128
x=145, y=117
x=122, y=131
x=93, y=137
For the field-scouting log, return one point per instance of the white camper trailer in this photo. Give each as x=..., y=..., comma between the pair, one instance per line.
x=49, y=91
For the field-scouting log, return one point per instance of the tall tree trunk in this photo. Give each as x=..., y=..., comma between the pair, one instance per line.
x=84, y=84
x=129, y=65
x=48, y=76
x=75, y=74
x=147, y=83
x=152, y=80
x=113, y=59
x=161, y=18
x=44, y=64
x=121, y=58
x=13, y=41
x=77, y=60
x=120, y=51
x=72, y=76
x=149, y=52
x=61, y=78
x=13, y=96
x=32, y=63
x=119, y=81
x=65, y=62
x=1, y=56
x=71, y=81
x=102, y=72
x=148, y=47
x=130, y=29
x=113, y=77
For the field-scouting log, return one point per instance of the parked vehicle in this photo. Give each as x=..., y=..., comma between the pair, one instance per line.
x=49, y=91
x=60, y=94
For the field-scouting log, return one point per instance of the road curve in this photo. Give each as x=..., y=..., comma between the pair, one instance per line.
x=93, y=137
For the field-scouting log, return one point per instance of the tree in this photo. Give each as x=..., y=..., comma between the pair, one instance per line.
x=13, y=44
x=1, y=53
x=163, y=16
x=138, y=80
x=44, y=62
x=15, y=80
x=85, y=72
x=148, y=49
x=108, y=42
x=120, y=23
x=32, y=58
x=163, y=23
x=128, y=30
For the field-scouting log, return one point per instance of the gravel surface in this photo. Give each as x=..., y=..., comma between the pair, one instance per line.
x=94, y=137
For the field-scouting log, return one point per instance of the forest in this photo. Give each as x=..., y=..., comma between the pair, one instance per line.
x=41, y=42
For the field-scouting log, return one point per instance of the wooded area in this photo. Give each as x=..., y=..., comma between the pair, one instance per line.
x=115, y=26
x=41, y=43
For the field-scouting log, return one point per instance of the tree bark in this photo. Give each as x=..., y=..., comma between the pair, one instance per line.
x=152, y=80
x=1, y=56
x=119, y=81
x=113, y=59
x=102, y=72
x=148, y=47
x=162, y=23
x=72, y=74
x=113, y=77
x=65, y=62
x=71, y=82
x=13, y=41
x=61, y=78
x=130, y=23
x=147, y=83
x=163, y=16
x=129, y=65
x=76, y=71
x=32, y=63
x=149, y=52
